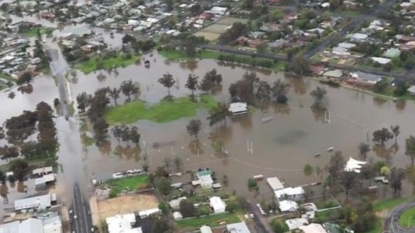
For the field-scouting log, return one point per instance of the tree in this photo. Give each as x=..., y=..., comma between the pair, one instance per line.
x=84, y=101
x=252, y=183
x=167, y=81
x=225, y=180
x=279, y=226
x=163, y=207
x=117, y=132
x=128, y=88
x=20, y=169
x=194, y=127
x=135, y=135
x=348, y=179
x=308, y=169
x=164, y=186
x=167, y=162
x=299, y=65
x=125, y=133
x=187, y=208
x=159, y=225
x=336, y=165
x=191, y=84
x=319, y=94
x=395, y=129
x=385, y=171
x=218, y=114
x=410, y=148
x=395, y=179
x=279, y=90
x=363, y=149
x=25, y=78
x=263, y=91
x=114, y=94
x=190, y=48
x=382, y=135
x=178, y=162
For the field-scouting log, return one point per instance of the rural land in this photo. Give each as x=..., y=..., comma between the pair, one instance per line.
x=225, y=116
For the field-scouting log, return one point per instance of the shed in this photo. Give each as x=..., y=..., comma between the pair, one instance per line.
x=275, y=183
x=288, y=206
x=37, y=202
x=336, y=74
x=238, y=108
x=217, y=204
x=296, y=223
x=177, y=215
x=205, y=229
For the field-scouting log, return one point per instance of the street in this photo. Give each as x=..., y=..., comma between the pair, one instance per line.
x=392, y=219
x=261, y=223
x=81, y=221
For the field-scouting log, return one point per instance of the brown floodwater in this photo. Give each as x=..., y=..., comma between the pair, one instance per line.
x=280, y=147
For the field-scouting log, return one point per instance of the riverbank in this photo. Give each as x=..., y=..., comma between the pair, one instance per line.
x=164, y=111
x=176, y=55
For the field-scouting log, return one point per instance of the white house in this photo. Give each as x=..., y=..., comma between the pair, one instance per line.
x=288, y=206
x=275, y=183
x=354, y=165
x=238, y=108
x=122, y=223
x=217, y=204
x=296, y=223
x=295, y=194
x=37, y=203
x=313, y=228
x=205, y=229
x=175, y=203
x=177, y=215
x=204, y=179
x=411, y=90
x=34, y=225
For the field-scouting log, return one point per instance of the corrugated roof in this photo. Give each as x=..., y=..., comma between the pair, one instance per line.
x=43, y=201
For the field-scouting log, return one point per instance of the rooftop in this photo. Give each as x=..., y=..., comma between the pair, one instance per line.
x=239, y=227
x=32, y=225
x=41, y=202
x=275, y=183
x=122, y=223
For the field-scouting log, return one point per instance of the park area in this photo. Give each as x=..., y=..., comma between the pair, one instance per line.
x=97, y=63
x=164, y=111
x=211, y=220
x=127, y=184
x=407, y=219
x=212, y=32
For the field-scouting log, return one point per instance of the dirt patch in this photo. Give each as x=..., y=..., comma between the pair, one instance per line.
x=126, y=204
x=216, y=28
x=208, y=35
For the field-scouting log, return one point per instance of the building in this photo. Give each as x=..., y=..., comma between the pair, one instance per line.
x=177, y=216
x=41, y=182
x=411, y=90
x=205, y=229
x=296, y=223
x=217, y=204
x=204, y=179
x=366, y=79
x=354, y=165
x=175, y=203
x=33, y=225
x=333, y=74
x=313, y=228
x=238, y=108
x=275, y=183
x=239, y=227
x=288, y=206
x=39, y=172
x=295, y=194
x=122, y=223
x=35, y=203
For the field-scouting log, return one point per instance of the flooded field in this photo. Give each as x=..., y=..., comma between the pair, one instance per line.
x=280, y=147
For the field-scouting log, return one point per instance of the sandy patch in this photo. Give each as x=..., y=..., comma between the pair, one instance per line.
x=126, y=204
x=207, y=35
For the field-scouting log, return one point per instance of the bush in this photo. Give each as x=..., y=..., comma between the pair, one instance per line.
x=56, y=102
x=252, y=183
x=113, y=193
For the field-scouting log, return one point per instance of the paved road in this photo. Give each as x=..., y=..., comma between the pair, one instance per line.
x=391, y=222
x=80, y=208
x=261, y=223
x=357, y=23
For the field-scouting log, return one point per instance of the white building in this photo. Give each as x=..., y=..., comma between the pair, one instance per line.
x=411, y=90
x=204, y=179
x=177, y=215
x=296, y=223
x=122, y=223
x=217, y=204
x=33, y=225
x=41, y=182
x=296, y=193
x=38, y=202
x=238, y=108
x=175, y=203
x=354, y=165
x=275, y=183
x=288, y=206
x=239, y=227
x=205, y=229
x=313, y=228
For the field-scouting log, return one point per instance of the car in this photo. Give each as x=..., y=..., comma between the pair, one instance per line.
x=70, y=211
x=251, y=215
x=75, y=217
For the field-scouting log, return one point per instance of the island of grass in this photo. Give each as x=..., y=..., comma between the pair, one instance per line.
x=407, y=219
x=164, y=111
x=106, y=62
x=127, y=184
x=211, y=220
x=225, y=57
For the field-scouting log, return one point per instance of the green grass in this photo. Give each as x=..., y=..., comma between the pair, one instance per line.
x=7, y=77
x=118, y=61
x=212, y=221
x=390, y=203
x=129, y=183
x=180, y=55
x=377, y=228
x=32, y=32
x=407, y=219
x=164, y=111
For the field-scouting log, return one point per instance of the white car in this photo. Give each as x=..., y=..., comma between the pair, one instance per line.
x=75, y=217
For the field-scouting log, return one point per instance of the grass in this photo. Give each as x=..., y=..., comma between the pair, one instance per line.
x=129, y=183
x=32, y=32
x=377, y=228
x=164, y=111
x=407, y=219
x=7, y=77
x=212, y=221
x=389, y=203
x=118, y=61
x=180, y=55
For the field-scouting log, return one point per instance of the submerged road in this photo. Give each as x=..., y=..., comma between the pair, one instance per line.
x=81, y=221
x=392, y=219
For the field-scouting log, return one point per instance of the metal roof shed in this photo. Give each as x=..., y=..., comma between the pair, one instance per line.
x=275, y=183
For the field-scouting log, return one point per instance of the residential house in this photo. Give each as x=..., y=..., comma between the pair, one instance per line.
x=317, y=70
x=381, y=60
x=363, y=79
x=392, y=52
x=217, y=204
x=275, y=183
x=333, y=75
x=238, y=108
x=239, y=227
x=177, y=215
x=34, y=225
x=294, y=194
x=313, y=228
x=204, y=179
x=358, y=37
x=411, y=90
x=175, y=204
x=296, y=223
x=288, y=206
x=277, y=44
x=43, y=181
x=205, y=229
x=122, y=223
x=39, y=172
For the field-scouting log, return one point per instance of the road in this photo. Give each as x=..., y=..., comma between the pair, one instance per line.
x=261, y=223
x=82, y=223
x=391, y=222
x=357, y=23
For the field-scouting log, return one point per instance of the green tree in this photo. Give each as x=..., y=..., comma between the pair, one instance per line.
x=128, y=88
x=319, y=94
x=187, y=208
x=279, y=91
x=278, y=226
x=410, y=148
x=218, y=114
x=164, y=186
x=385, y=171
x=396, y=130
x=364, y=148
x=308, y=169
x=299, y=65
x=191, y=84
x=382, y=135
x=194, y=127
x=114, y=93
x=25, y=78
x=167, y=81
x=252, y=184
x=134, y=135
x=178, y=162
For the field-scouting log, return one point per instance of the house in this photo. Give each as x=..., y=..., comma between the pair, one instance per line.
x=217, y=204
x=41, y=182
x=34, y=225
x=411, y=90
x=365, y=79
x=354, y=165
x=333, y=74
x=288, y=206
x=392, y=52
x=175, y=204
x=35, y=203
x=295, y=194
x=296, y=223
x=39, y=172
x=381, y=60
x=238, y=108
x=316, y=70
x=204, y=179
x=275, y=183
x=239, y=227
x=313, y=228
x=205, y=229
x=358, y=37
x=177, y=215
x=122, y=223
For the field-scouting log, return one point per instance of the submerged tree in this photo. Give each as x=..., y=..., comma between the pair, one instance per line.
x=395, y=178
x=191, y=84
x=128, y=88
x=363, y=149
x=319, y=94
x=218, y=114
x=382, y=135
x=167, y=81
x=410, y=148
x=279, y=91
x=194, y=127
x=396, y=130
x=114, y=94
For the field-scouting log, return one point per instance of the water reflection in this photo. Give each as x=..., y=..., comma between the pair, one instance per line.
x=281, y=109
x=400, y=105
x=196, y=147
x=379, y=101
x=128, y=152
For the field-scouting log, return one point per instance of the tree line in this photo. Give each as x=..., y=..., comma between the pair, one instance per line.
x=253, y=61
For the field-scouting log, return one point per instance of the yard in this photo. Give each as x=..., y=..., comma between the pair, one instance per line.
x=389, y=203
x=212, y=221
x=130, y=183
x=407, y=219
x=164, y=111
x=97, y=63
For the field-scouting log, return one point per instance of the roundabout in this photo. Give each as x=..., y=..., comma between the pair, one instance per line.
x=392, y=219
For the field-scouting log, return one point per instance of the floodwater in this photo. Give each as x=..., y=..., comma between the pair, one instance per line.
x=280, y=147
